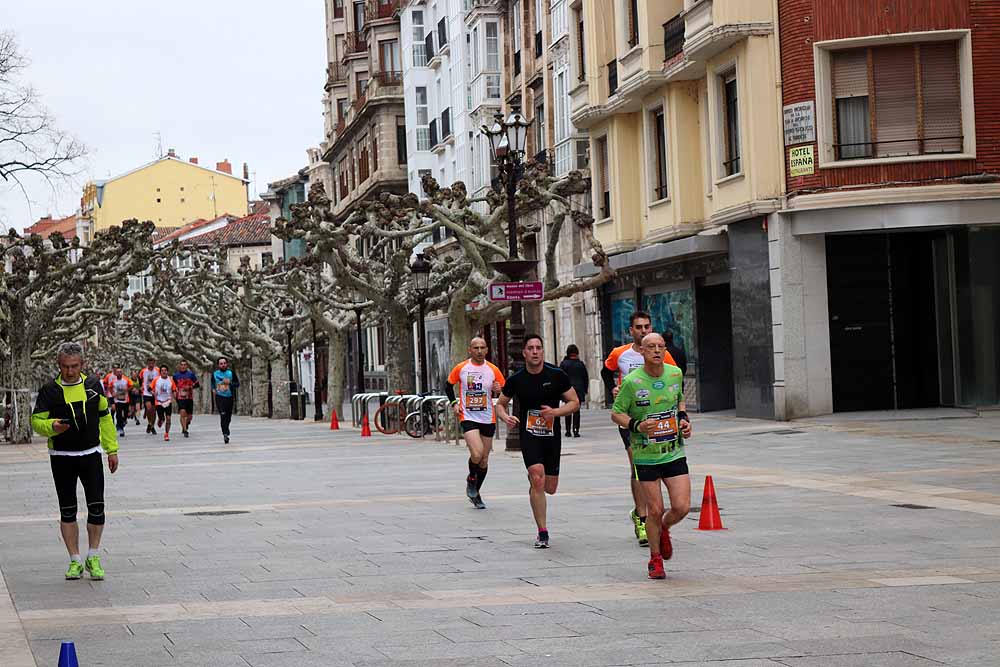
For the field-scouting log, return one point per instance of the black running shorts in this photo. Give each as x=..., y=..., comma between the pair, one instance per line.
x=485, y=430
x=662, y=470
x=535, y=450
x=186, y=405
x=164, y=411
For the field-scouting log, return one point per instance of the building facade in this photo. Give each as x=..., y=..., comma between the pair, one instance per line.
x=680, y=99
x=170, y=192
x=884, y=278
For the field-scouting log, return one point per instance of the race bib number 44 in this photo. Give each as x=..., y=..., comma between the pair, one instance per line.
x=665, y=427
x=538, y=425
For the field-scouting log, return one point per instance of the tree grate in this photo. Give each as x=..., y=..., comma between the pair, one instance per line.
x=911, y=506
x=217, y=513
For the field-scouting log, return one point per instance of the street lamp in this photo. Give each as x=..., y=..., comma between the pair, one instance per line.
x=507, y=138
x=421, y=270
x=287, y=312
x=359, y=301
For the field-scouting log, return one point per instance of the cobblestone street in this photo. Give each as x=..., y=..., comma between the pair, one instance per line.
x=849, y=542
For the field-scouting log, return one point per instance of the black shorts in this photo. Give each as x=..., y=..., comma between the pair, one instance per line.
x=185, y=405
x=89, y=469
x=148, y=400
x=662, y=470
x=164, y=411
x=535, y=450
x=485, y=430
x=626, y=436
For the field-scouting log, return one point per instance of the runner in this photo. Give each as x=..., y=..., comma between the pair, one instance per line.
x=186, y=382
x=72, y=412
x=650, y=406
x=478, y=380
x=135, y=399
x=222, y=384
x=538, y=387
x=119, y=388
x=622, y=361
x=146, y=377
x=164, y=391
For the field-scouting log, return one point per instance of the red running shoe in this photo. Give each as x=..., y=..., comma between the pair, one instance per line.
x=666, y=548
x=655, y=567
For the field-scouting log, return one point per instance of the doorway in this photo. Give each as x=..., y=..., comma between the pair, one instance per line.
x=716, y=390
x=883, y=321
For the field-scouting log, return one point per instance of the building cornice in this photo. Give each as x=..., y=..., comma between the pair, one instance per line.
x=900, y=195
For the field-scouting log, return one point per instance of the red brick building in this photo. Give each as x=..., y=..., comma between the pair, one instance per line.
x=884, y=260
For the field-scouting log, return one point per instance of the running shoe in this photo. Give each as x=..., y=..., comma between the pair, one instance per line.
x=478, y=502
x=186, y=434
x=636, y=522
x=225, y=438
x=94, y=567
x=655, y=567
x=121, y=433
x=136, y=421
x=666, y=547
x=470, y=487
x=152, y=429
x=149, y=429
x=542, y=541
x=159, y=423
x=166, y=437
x=75, y=570
x=641, y=534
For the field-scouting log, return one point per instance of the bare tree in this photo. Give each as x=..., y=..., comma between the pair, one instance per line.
x=30, y=141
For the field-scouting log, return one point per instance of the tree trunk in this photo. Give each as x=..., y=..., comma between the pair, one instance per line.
x=21, y=381
x=258, y=395
x=281, y=406
x=205, y=393
x=245, y=393
x=399, y=364
x=336, y=371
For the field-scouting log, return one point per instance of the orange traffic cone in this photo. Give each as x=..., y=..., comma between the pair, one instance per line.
x=334, y=424
x=366, y=431
x=710, y=518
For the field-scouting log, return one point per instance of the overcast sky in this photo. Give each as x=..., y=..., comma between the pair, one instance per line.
x=236, y=79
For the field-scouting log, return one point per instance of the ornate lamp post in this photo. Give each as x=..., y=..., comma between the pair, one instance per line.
x=359, y=301
x=421, y=270
x=287, y=312
x=507, y=137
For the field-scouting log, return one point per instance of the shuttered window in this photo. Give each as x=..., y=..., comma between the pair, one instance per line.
x=898, y=100
x=602, y=165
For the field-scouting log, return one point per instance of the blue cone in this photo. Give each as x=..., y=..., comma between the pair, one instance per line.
x=67, y=655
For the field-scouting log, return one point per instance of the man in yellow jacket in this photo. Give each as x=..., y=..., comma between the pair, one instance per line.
x=72, y=412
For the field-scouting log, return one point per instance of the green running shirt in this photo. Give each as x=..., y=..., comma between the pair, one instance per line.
x=644, y=397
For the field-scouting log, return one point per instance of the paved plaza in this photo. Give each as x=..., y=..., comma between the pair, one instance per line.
x=849, y=542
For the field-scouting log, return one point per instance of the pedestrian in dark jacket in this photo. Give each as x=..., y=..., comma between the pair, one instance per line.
x=676, y=352
x=580, y=380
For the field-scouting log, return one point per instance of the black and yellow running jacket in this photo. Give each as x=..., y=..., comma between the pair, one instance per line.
x=85, y=406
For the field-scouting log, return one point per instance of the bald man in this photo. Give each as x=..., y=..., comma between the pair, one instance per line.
x=650, y=405
x=478, y=380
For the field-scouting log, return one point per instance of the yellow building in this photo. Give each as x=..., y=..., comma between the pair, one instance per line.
x=169, y=191
x=682, y=104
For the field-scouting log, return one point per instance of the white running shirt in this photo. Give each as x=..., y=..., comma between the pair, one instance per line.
x=475, y=390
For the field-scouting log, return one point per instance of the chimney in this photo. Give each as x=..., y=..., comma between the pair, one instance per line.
x=224, y=166
x=194, y=160
x=246, y=172
x=171, y=152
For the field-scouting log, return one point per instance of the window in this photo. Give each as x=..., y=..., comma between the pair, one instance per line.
x=493, y=86
x=266, y=259
x=420, y=177
x=362, y=84
x=182, y=188
x=182, y=200
x=659, y=138
x=911, y=104
x=612, y=77
x=423, y=117
x=157, y=199
x=582, y=154
x=442, y=34
x=475, y=51
x=731, y=125
x=561, y=119
x=342, y=110
x=388, y=54
x=515, y=17
x=359, y=15
x=538, y=28
x=604, y=192
x=581, y=63
x=539, y=125
x=492, y=47
x=419, y=52
x=400, y=140
x=338, y=9
x=632, y=14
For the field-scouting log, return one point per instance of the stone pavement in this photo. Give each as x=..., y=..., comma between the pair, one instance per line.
x=850, y=542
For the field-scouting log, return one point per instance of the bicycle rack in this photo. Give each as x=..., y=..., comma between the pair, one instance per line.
x=359, y=405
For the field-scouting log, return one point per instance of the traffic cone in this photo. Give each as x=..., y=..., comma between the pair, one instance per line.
x=334, y=424
x=710, y=518
x=366, y=431
x=67, y=655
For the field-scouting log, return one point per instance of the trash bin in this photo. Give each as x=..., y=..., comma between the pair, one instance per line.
x=302, y=405
x=296, y=412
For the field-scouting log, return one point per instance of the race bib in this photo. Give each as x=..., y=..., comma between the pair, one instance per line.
x=475, y=401
x=538, y=425
x=665, y=429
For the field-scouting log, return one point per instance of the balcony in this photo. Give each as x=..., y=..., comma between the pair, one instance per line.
x=485, y=91
x=673, y=38
x=376, y=10
x=710, y=28
x=446, y=124
x=387, y=80
x=612, y=77
x=335, y=75
x=354, y=44
x=434, y=133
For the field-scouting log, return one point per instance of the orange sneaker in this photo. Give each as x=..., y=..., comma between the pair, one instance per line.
x=655, y=567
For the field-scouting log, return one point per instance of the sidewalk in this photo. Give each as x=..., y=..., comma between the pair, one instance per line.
x=850, y=543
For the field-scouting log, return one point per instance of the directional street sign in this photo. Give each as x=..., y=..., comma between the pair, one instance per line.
x=516, y=291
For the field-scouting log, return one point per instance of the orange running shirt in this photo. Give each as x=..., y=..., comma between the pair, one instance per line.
x=624, y=359
x=475, y=390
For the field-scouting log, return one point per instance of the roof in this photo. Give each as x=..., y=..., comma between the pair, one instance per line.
x=254, y=229
x=184, y=230
x=259, y=206
x=163, y=159
x=47, y=225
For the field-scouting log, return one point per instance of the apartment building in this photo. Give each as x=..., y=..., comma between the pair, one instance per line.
x=884, y=278
x=364, y=119
x=680, y=99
